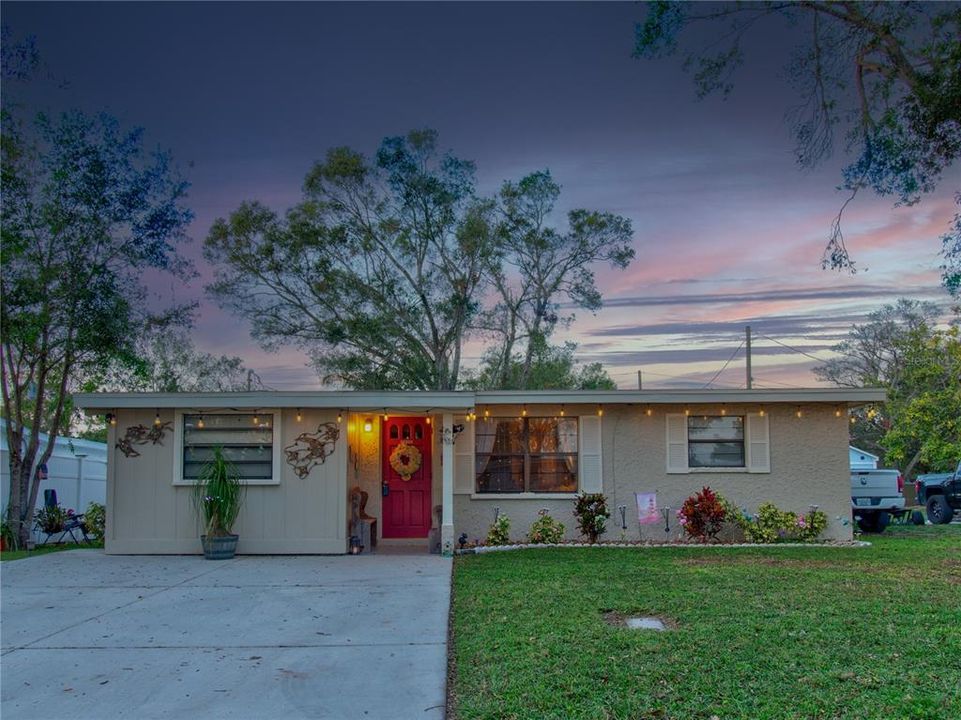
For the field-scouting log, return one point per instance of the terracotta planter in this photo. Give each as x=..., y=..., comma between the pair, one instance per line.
x=221, y=547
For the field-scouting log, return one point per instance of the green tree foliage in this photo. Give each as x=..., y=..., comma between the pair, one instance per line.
x=86, y=210
x=383, y=271
x=537, y=266
x=885, y=76
x=900, y=349
x=376, y=274
x=549, y=367
x=951, y=251
x=926, y=406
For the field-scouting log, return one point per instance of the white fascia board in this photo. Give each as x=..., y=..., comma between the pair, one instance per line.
x=844, y=396
x=334, y=399
x=463, y=400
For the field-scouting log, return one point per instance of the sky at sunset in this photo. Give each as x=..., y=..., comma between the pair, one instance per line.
x=728, y=231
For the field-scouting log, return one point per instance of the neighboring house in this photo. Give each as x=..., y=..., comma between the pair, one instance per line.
x=77, y=470
x=466, y=453
x=861, y=459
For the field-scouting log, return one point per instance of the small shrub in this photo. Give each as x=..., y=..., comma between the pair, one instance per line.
x=51, y=519
x=702, y=515
x=545, y=529
x=591, y=512
x=95, y=520
x=773, y=525
x=500, y=531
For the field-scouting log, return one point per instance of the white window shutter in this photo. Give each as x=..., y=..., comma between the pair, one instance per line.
x=589, y=460
x=677, y=443
x=758, y=444
x=464, y=460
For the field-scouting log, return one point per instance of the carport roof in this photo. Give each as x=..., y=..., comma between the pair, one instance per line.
x=464, y=399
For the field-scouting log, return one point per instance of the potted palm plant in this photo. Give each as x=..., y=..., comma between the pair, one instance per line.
x=218, y=495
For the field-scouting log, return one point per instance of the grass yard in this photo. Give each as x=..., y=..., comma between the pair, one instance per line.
x=761, y=633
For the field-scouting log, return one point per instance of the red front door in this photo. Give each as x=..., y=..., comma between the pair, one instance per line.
x=406, y=473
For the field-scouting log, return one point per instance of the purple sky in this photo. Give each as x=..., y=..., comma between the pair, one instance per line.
x=728, y=231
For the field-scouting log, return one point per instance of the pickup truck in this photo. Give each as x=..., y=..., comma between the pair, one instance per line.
x=940, y=494
x=875, y=496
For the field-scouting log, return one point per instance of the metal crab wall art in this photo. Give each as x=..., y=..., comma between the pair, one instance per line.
x=141, y=435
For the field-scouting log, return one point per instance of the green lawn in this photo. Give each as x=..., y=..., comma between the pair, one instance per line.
x=761, y=633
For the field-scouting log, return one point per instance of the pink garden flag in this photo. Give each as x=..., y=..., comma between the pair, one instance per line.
x=646, y=508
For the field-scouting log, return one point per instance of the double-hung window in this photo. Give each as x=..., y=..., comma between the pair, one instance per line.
x=247, y=440
x=527, y=454
x=715, y=441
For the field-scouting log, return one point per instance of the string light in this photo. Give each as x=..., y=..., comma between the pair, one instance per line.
x=156, y=420
x=687, y=411
x=798, y=412
x=111, y=418
x=853, y=419
x=723, y=411
x=428, y=419
x=200, y=422
x=837, y=412
x=340, y=416
x=301, y=417
x=386, y=416
x=563, y=411
x=524, y=411
x=649, y=411
x=600, y=411
x=487, y=413
x=761, y=412
x=256, y=419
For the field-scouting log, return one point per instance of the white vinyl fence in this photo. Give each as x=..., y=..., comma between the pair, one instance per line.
x=77, y=471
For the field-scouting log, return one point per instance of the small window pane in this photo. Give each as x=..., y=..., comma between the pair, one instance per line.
x=716, y=454
x=553, y=473
x=504, y=436
x=418, y=433
x=550, y=435
x=715, y=428
x=498, y=473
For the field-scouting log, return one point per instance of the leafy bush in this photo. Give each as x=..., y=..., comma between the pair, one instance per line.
x=703, y=514
x=95, y=520
x=500, y=531
x=545, y=529
x=591, y=512
x=51, y=519
x=9, y=538
x=773, y=525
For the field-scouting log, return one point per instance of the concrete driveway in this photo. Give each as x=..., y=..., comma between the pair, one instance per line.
x=87, y=635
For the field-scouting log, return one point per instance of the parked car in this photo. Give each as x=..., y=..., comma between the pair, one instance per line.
x=875, y=496
x=940, y=493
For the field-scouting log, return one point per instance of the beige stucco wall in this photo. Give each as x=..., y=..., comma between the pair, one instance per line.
x=809, y=465
x=147, y=513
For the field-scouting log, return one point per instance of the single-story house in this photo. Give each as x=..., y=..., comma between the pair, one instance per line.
x=450, y=460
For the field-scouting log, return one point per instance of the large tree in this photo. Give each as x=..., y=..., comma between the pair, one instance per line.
x=86, y=211
x=377, y=274
x=542, y=366
x=889, y=351
x=383, y=271
x=884, y=76
x=537, y=266
x=925, y=425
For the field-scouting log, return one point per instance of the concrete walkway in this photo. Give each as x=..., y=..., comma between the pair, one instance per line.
x=86, y=635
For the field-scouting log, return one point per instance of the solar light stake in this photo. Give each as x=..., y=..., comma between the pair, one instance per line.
x=666, y=512
x=622, y=509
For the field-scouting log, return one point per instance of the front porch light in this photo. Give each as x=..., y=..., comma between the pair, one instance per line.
x=368, y=424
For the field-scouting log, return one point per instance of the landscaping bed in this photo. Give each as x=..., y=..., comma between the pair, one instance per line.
x=873, y=632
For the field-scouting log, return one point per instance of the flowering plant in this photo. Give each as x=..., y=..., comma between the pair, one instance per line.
x=591, y=512
x=499, y=532
x=545, y=529
x=772, y=525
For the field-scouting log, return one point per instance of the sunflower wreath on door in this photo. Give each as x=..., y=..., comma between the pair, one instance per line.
x=405, y=459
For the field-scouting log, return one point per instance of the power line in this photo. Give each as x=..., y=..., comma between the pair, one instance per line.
x=791, y=348
x=724, y=367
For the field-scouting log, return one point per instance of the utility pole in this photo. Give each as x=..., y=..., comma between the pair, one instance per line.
x=748, y=330
x=640, y=383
